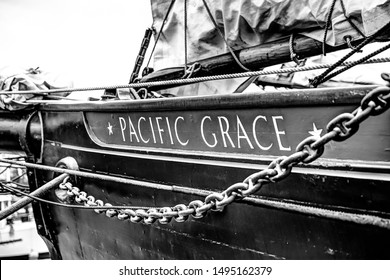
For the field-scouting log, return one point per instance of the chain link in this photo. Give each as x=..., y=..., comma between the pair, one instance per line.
x=340, y=128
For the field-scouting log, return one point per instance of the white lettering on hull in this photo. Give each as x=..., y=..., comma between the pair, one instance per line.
x=217, y=132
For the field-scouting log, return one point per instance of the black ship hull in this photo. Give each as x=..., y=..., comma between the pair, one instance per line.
x=179, y=150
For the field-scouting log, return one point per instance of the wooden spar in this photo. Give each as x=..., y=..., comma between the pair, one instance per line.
x=258, y=57
x=27, y=200
x=254, y=58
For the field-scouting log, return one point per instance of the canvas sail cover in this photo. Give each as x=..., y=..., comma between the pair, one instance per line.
x=246, y=23
x=15, y=79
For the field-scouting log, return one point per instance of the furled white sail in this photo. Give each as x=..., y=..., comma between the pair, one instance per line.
x=246, y=23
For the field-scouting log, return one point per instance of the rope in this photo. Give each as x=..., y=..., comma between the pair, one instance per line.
x=160, y=32
x=223, y=37
x=26, y=200
x=356, y=218
x=350, y=20
x=185, y=35
x=366, y=41
x=199, y=79
x=348, y=40
x=102, y=177
x=18, y=177
x=5, y=168
x=355, y=63
x=294, y=57
x=11, y=189
x=364, y=219
x=327, y=24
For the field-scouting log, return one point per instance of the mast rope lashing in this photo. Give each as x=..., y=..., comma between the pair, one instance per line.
x=294, y=57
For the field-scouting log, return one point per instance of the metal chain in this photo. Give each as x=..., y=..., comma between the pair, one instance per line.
x=338, y=129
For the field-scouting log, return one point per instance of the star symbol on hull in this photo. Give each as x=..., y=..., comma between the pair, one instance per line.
x=109, y=127
x=315, y=132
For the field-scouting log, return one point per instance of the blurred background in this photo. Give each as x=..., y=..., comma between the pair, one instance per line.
x=92, y=43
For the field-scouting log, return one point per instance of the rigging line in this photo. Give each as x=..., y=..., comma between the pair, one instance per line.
x=331, y=75
x=308, y=210
x=26, y=200
x=9, y=166
x=362, y=219
x=106, y=177
x=3, y=189
x=358, y=218
x=350, y=20
x=118, y=207
x=327, y=24
x=15, y=157
x=19, y=185
x=5, y=168
x=321, y=212
x=366, y=41
x=348, y=40
x=293, y=55
x=185, y=35
x=18, y=177
x=56, y=97
x=223, y=37
x=198, y=79
x=161, y=29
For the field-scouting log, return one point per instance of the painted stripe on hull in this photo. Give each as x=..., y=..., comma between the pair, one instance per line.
x=255, y=166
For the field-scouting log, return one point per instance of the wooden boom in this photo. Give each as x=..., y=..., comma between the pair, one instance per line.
x=254, y=58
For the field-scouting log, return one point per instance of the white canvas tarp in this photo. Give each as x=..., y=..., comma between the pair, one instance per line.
x=15, y=79
x=247, y=23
